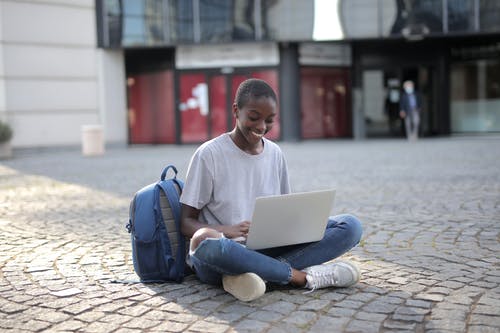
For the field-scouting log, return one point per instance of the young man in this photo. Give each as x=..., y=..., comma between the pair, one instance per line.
x=224, y=177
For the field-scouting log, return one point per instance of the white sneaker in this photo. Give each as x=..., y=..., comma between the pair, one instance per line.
x=336, y=274
x=245, y=287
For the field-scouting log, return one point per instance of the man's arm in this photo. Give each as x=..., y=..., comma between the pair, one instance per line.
x=190, y=224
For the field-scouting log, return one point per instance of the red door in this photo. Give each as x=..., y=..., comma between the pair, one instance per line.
x=218, y=105
x=150, y=115
x=193, y=107
x=324, y=103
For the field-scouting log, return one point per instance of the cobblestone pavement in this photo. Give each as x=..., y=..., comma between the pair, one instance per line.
x=429, y=256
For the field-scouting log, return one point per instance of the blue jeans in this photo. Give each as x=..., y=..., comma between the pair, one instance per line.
x=216, y=257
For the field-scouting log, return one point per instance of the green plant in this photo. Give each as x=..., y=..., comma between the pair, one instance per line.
x=5, y=132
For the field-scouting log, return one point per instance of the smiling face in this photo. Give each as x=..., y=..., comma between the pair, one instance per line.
x=255, y=108
x=253, y=121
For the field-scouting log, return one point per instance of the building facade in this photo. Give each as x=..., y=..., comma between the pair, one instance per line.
x=165, y=71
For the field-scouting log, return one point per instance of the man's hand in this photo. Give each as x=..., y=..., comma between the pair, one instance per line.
x=402, y=114
x=237, y=230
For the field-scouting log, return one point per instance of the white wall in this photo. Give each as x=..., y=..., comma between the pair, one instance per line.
x=50, y=78
x=112, y=95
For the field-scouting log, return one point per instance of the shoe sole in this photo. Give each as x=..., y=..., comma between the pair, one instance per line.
x=245, y=287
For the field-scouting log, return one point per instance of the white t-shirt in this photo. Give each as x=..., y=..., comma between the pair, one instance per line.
x=223, y=181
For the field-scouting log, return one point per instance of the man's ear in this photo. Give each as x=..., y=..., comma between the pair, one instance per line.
x=235, y=110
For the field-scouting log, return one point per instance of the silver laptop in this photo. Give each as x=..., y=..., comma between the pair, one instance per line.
x=289, y=219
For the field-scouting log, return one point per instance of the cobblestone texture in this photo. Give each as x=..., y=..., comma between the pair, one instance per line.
x=429, y=254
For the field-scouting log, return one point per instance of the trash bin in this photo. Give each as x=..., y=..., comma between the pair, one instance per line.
x=92, y=140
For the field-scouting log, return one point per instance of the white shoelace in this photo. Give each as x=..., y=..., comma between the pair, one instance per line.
x=321, y=278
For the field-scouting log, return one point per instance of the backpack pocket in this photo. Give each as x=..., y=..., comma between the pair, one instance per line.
x=151, y=265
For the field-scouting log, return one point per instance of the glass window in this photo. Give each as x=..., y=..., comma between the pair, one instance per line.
x=113, y=23
x=215, y=20
x=243, y=20
x=287, y=19
x=143, y=22
x=460, y=15
x=414, y=18
x=184, y=14
x=475, y=96
x=360, y=18
x=489, y=15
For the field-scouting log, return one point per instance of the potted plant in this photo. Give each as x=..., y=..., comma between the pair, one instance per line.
x=5, y=136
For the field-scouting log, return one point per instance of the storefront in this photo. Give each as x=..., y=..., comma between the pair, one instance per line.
x=185, y=95
x=475, y=87
x=338, y=66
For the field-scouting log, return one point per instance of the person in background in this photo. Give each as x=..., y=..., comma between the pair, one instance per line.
x=410, y=108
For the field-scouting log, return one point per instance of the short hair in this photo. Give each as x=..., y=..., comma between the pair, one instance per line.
x=253, y=88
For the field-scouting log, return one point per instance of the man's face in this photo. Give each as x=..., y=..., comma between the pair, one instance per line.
x=255, y=118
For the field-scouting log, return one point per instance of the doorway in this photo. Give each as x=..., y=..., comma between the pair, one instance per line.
x=382, y=89
x=325, y=98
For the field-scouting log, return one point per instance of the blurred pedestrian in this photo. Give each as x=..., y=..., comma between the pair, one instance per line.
x=410, y=107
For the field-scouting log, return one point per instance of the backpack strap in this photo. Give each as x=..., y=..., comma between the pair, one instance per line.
x=173, y=198
x=168, y=167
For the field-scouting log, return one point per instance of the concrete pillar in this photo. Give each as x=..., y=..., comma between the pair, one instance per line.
x=290, y=92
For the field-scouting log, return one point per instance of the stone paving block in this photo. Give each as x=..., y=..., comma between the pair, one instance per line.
x=134, y=311
x=281, y=307
x=208, y=327
x=250, y=325
x=485, y=320
x=300, y=318
x=349, y=304
x=482, y=329
x=140, y=323
x=486, y=310
x=266, y=316
x=225, y=317
x=362, y=326
x=90, y=316
x=373, y=317
x=68, y=325
x=380, y=306
x=418, y=303
x=328, y=324
x=333, y=297
x=11, y=307
x=314, y=305
x=341, y=312
x=446, y=324
x=114, y=318
x=399, y=325
x=67, y=292
x=170, y=327
x=407, y=317
x=430, y=297
x=77, y=308
x=99, y=327
x=283, y=328
x=406, y=310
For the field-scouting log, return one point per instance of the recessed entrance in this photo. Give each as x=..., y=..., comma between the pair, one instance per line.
x=382, y=89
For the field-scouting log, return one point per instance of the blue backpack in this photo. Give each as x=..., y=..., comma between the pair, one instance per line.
x=158, y=247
